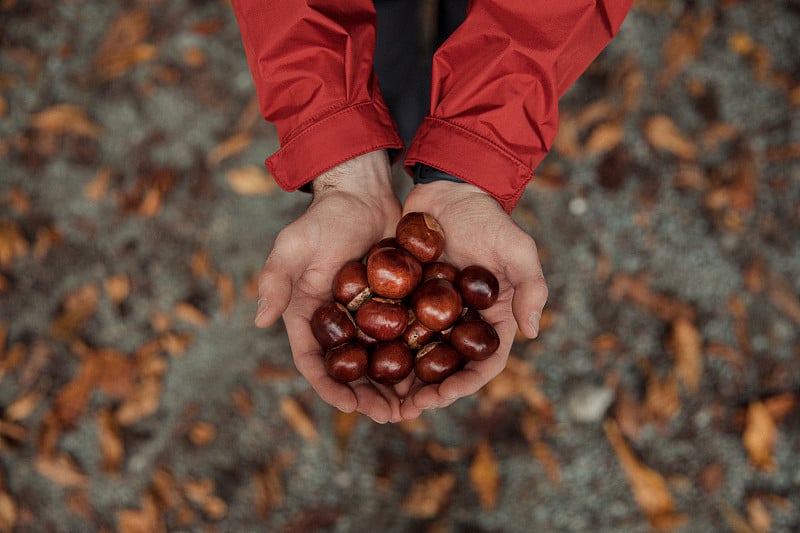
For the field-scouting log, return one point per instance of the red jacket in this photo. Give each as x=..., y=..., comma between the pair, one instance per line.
x=494, y=95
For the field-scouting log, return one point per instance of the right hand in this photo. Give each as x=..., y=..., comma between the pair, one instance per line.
x=353, y=207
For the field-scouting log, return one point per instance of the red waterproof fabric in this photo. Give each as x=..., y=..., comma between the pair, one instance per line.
x=494, y=94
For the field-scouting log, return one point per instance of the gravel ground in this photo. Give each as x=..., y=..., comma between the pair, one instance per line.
x=135, y=215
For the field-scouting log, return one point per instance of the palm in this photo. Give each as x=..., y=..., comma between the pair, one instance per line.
x=478, y=231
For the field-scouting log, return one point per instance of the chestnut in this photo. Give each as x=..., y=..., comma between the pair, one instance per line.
x=350, y=285
x=435, y=361
x=474, y=339
x=382, y=319
x=421, y=235
x=346, y=362
x=393, y=272
x=390, y=362
x=437, y=304
x=416, y=335
x=331, y=324
x=365, y=340
x=388, y=242
x=478, y=286
x=439, y=269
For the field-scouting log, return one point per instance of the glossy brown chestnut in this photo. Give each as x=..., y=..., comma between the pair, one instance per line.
x=388, y=242
x=439, y=269
x=437, y=304
x=478, y=286
x=365, y=340
x=393, y=272
x=382, y=319
x=474, y=339
x=350, y=285
x=434, y=362
x=422, y=235
x=390, y=362
x=416, y=335
x=331, y=324
x=346, y=362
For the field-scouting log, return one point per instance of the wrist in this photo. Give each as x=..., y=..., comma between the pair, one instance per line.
x=366, y=175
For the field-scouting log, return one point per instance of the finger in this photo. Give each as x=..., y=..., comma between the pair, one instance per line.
x=310, y=363
x=372, y=403
x=280, y=272
x=524, y=272
x=470, y=379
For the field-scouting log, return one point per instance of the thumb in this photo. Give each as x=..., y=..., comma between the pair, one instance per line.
x=524, y=272
x=275, y=285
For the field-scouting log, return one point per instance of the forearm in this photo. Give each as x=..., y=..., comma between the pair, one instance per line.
x=496, y=84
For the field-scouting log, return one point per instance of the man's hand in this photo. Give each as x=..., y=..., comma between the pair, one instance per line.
x=478, y=231
x=353, y=207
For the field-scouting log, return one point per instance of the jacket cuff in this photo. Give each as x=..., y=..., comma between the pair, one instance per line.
x=472, y=158
x=341, y=136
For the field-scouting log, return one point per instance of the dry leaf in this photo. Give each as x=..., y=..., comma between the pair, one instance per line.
x=12, y=244
x=143, y=401
x=227, y=293
x=663, y=134
x=112, y=448
x=73, y=398
x=759, y=437
x=687, y=345
x=269, y=492
x=343, y=426
x=190, y=314
x=146, y=520
x=251, y=180
x=97, y=187
x=604, y=138
x=485, y=476
x=63, y=119
x=9, y=514
x=122, y=47
x=194, y=57
x=758, y=515
x=117, y=287
x=649, y=487
x=298, y=419
x=635, y=288
x=427, y=497
x=202, y=434
x=77, y=308
x=662, y=400
x=13, y=431
x=61, y=470
x=18, y=200
x=782, y=296
x=233, y=145
x=46, y=238
x=23, y=407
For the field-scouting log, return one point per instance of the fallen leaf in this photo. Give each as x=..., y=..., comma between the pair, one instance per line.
x=485, y=476
x=117, y=287
x=194, y=57
x=344, y=424
x=61, y=470
x=145, y=520
x=109, y=438
x=662, y=399
x=13, y=431
x=782, y=295
x=72, y=399
x=663, y=134
x=759, y=437
x=227, y=293
x=202, y=434
x=269, y=491
x=233, y=145
x=758, y=515
x=9, y=513
x=649, y=487
x=97, y=187
x=298, y=419
x=190, y=314
x=687, y=344
x=46, y=238
x=12, y=244
x=427, y=497
x=251, y=180
x=604, y=138
x=24, y=406
x=65, y=119
x=122, y=47
x=635, y=288
x=78, y=306
x=18, y=200
x=144, y=400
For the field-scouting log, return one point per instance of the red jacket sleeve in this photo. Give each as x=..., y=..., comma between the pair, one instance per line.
x=312, y=64
x=496, y=84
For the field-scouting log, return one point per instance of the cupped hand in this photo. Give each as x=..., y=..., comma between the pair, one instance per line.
x=352, y=208
x=478, y=231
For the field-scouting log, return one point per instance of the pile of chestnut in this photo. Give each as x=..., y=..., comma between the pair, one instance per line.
x=400, y=310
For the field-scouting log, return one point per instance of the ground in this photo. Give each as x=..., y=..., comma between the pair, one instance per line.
x=135, y=213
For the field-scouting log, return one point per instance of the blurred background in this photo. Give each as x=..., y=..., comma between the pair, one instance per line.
x=135, y=214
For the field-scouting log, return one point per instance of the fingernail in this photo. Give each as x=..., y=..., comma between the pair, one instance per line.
x=533, y=321
x=262, y=308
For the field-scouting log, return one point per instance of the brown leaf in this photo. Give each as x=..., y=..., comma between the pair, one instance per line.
x=758, y=515
x=517, y=380
x=145, y=520
x=13, y=431
x=782, y=296
x=663, y=134
x=18, y=200
x=117, y=287
x=24, y=406
x=46, y=238
x=202, y=434
x=485, y=476
x=190, y=314
x=233, y=145
x=109, y=437
x=117, y=373
x=61, y=470
x=175, y=344
x=12, y=244
x=636, y=288
x=123, y=47
x=604, y=138
x=759, y=437
x=65, y=119
x=77, y=308
x=344, y=424
x=143, y=401
x=9, y=513
x=427, y=497
x=297, y=418
x=227, y=293
x=662, y=399
x=72, y=399
x=687, y=345
x=250, y=180
x=97, y=187
x=269, y=491
x=649, y=487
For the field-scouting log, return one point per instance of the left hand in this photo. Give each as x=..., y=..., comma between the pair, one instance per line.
x=479, y=232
